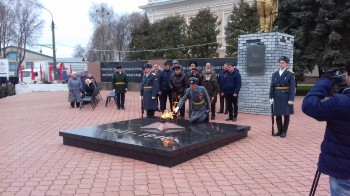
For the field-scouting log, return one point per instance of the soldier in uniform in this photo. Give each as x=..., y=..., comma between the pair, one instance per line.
x=120, y=83
x=282, y=93
x=200, y=102
x=149, y=89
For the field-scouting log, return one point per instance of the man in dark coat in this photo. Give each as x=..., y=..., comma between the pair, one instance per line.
x=232, y=86
x=199, y=99
x=282, y=93
x=211, y=85
x=164, y=89
x=157, y=71
x=120, y=83
x=177, y=84
x=149, y=89
x=223, y=102
x=334, y=159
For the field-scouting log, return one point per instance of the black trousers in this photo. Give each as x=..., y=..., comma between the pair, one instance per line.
x=231, y=100
x=223, y=103
x=120, y=100
x=72, y=104
x=150, y=113
x=213, y=106
x=163, y=99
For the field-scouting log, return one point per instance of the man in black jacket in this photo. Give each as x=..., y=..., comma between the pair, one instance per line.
x=164, y=89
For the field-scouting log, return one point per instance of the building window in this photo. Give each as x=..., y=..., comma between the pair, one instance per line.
x=12, y=66
x=11, y=55
x=28, y=65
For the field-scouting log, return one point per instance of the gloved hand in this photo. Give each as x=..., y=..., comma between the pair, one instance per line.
x=141, y=97
x=126, y=89
x=290, y=102
x=330, y=76
x=207, y=111
x=176, y=109
x=153, y=97
x=271, y=101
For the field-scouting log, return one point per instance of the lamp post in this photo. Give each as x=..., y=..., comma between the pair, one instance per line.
x=53, y=39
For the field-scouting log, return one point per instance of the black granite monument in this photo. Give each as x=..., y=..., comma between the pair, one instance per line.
x=130, y=139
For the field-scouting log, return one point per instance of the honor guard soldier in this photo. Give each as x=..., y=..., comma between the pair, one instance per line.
x=149, y=89
x=120, y=83
x=282, y=93
x=199, y=102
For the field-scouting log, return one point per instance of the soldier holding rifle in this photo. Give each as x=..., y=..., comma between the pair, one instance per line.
x=282, y=93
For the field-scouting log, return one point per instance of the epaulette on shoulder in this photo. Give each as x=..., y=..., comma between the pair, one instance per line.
x=154, y=74
x=290, y=71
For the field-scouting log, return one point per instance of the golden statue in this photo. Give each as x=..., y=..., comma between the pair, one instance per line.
x=268, y=12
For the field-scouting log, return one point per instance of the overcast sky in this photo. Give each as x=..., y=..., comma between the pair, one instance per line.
x=72, y=22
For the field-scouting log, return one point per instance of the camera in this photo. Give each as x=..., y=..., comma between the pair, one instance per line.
x=338, y=75
x=338, y=78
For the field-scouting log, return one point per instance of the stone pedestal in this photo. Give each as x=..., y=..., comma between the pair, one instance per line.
x=256, y=73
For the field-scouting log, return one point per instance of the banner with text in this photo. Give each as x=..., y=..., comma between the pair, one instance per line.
x=133, y=70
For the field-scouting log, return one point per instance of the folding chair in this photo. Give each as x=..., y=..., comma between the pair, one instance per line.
x=92, y=100
x=109, y=97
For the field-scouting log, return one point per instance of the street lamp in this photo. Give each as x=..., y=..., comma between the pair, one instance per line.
x=53, y=39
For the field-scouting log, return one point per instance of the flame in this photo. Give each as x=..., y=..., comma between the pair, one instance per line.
x=166, y=115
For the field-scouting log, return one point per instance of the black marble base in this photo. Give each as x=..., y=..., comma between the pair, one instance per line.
x=168, y=149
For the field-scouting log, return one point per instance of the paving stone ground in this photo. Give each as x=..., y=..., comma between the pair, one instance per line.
x=34, y=161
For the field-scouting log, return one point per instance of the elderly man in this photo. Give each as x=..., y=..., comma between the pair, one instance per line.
x=200, y=102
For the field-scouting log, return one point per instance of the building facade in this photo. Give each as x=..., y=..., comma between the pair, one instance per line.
x=159, y=9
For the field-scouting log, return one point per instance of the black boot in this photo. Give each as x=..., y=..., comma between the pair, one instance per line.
x=72, y=104
x=285, y=126
x=78, y=104
x=279, y=126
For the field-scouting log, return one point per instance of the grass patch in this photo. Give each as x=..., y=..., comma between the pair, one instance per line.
x=302, y=90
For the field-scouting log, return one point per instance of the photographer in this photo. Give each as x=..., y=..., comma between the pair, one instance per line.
x=334, y=159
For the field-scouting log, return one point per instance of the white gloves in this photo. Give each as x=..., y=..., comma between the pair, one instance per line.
x=126, y=89
x=290, y=102
x=271, y=101
x=141, y=97
x=176, y=109
x=153, y=97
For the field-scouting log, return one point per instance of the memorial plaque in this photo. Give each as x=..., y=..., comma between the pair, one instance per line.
x=167, y=148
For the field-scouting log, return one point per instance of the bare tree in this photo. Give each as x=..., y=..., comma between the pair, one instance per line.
x=79, y=51
x=101, y=16
x=7, y=27
x=28, y=27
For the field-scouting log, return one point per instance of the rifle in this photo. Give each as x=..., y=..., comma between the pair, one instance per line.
x=142, y=108
x=273, y=120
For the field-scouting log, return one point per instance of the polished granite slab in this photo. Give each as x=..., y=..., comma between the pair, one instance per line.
x=127, y=139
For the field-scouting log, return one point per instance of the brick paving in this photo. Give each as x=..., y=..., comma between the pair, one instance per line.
x=33, y=160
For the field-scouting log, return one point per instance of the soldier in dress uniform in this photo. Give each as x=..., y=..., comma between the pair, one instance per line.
x=282, y=93
x=120, y=83
x=149, y=89
x=200, y=102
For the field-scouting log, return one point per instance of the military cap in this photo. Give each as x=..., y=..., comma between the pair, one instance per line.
x=177, y=67
x=119, y=67
x=193, y=80
x=194, y=68
x=207, y=72
x=175, y=62
x=147, y=65
x=283, y=58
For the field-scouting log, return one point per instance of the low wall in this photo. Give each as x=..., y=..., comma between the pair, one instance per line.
x=27, y=88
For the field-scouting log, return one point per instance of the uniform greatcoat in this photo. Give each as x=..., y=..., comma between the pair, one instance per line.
x=282, y=90
x=149, y=89
x=199, y=103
